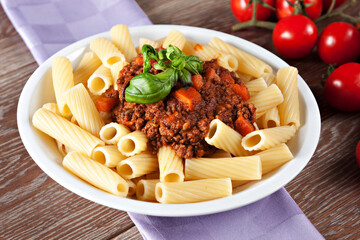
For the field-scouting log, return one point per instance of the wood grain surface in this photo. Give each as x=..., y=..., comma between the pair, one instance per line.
x=33, y=206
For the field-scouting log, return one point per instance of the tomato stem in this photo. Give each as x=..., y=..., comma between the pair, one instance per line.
x=339, y=12
x=254, y=22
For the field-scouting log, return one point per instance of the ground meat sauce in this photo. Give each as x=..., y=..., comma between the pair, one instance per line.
x=170, y=122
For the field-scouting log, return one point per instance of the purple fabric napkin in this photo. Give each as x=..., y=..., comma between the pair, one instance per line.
x=50, y=25
x=275, y=217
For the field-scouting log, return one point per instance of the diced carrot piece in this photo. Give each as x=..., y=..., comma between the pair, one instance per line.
x=106, y=104
x=189, y=96
x=197, y=81
x=226, y=77
x=139, y=60
x=211, y=74
x=243, y=126
x=241, y=90
x=198, y=47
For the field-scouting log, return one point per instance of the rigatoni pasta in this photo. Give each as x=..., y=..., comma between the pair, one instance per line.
x=289, y=110
x=224, y=137
x=267, y=138
x=121, y=38
x=65, y=132
x=100, y=80
x=83, y=109
x=95, y=173
x=112, y=132
x=63, y=79
x=242, y=168
x=106, y=51
x=193, y=191
x=132, y=143
x=137, y=165
x=170, y=165
x=171, y=169
x=87, y=66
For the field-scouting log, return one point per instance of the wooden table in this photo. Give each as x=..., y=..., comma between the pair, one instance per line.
x=34, y=206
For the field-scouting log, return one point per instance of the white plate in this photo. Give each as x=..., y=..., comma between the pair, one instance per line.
x=38, y=90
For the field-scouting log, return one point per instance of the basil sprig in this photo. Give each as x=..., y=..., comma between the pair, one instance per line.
x=147, y=88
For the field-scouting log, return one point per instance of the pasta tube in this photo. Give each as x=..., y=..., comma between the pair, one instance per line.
x=248, y=64
x=255, y=86
x=175, y=38
x=132, y=143
x=289, y=109
x=266, y=99
x=106, y=51
x=100, y=80
x=137, y=165
x=145, y=190
x=112, y=132
x=83, y=109
x=143, y=41
x=267, y=138
x=108, y=155
x=87, y=66
x=121, y=38
x=271, y=118
x=115, y=70
x=236, y=168
x=95, y=173
x=193, y=191
x=273, y=158
x=170, y=165
x=65, y=132
x=224, y=137
x=63, y=79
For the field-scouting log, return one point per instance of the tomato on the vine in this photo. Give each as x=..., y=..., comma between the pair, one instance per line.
x=342, y=88
x=295, y=36
x=339, y=43
x=327, y=3
x=313, y=9
x=244, y=13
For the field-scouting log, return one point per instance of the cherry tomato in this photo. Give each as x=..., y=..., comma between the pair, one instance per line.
x=244, y=13
x=342, y=88
x=295, y=36
x=283, y=8
x=339, y=43
x=358, y=153
x=327, y=3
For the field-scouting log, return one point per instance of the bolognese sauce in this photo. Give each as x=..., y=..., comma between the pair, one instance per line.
x=181, y=120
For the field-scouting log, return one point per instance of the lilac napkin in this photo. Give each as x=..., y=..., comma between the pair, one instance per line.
x=50, y=25
x=275, y=217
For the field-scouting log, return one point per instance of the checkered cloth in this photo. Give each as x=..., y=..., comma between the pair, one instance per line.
x=50, y=25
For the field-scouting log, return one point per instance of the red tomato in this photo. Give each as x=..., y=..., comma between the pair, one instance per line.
x=339, y=43
x=327, y=3
x=295, y=36
x=244, y=13
x=358, y=153
x=283, y=9
x=342, y=88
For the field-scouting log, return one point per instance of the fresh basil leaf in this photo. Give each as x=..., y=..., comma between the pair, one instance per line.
x=185, y=78
x=148, y=53
x=147, y=88
x=193, y=64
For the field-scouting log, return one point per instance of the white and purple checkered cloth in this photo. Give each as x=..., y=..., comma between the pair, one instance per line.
x=50, y=25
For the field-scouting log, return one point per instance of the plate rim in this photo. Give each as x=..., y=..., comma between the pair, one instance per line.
x=156, y=209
